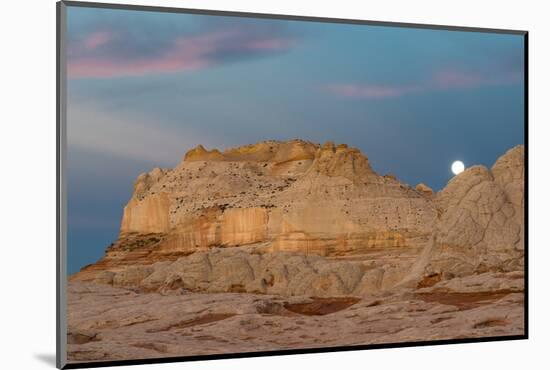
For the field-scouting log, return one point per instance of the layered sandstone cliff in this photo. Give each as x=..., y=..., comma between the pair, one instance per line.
x=272, y=192
x=300, y=218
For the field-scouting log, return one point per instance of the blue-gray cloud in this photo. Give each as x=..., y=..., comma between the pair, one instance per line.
x=110, y=49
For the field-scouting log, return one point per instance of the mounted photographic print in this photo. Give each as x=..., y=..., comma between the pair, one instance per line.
x=235, y=184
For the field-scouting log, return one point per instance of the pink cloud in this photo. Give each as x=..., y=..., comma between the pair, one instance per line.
x=186, y=53
x=96, y=39
x=449, y=79
x=104, y=68
x=455, y=79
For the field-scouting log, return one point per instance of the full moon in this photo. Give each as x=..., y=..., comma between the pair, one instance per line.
x=457, y=167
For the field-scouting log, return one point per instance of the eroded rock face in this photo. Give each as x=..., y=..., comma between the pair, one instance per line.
x=148, y=215
x=424, y=189
x=324, y=204
x=509, y=174
x=479, y=228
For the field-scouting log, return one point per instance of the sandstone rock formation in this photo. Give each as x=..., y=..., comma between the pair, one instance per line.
x=270, y=192
x=280, y=234
x=481, y=223
x=298, y=218
x=424, y=189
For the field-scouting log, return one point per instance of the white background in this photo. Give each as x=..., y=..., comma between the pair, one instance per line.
x=27, y=182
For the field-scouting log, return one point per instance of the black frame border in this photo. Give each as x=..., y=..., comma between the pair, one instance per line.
x=61, y=274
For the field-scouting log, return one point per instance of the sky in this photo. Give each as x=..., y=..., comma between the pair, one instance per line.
x=145, y=87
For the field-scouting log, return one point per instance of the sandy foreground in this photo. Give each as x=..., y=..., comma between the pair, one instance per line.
x=106, y=323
